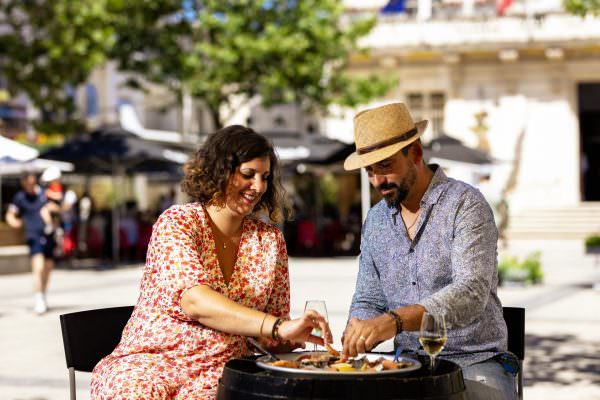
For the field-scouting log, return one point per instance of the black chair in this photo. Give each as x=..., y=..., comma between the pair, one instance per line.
x=515, y=324
x=90, y=335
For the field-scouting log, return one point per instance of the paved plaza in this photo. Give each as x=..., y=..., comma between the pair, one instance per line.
x=562, y=324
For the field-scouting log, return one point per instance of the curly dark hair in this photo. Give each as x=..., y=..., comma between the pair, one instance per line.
x=207, y=173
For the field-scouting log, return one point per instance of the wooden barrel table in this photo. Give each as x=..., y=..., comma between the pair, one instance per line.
x=243, y=379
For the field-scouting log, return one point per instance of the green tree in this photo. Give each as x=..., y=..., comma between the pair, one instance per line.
x=277, y=51
x=47, y=48
x=583, y=7
x=152, y=41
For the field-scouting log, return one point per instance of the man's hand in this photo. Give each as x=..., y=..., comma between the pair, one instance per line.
x=361, y=336
x=12, y=217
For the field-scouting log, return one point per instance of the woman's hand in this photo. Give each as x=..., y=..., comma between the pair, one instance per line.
x=299, y=330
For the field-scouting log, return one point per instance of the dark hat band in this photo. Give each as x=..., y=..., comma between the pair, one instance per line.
x=386, y=143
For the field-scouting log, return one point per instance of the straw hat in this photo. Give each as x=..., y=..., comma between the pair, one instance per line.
x=380, y=133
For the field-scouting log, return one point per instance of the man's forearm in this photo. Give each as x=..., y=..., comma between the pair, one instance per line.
x=13, y=220
x=411, y=316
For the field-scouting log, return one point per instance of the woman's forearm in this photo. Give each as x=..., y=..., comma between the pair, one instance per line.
x=216, y=311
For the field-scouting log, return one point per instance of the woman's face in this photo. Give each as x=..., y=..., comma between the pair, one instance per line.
x=247, y=185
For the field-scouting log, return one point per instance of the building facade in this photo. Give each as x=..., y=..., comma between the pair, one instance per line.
x=517, y=79
x=523, y=86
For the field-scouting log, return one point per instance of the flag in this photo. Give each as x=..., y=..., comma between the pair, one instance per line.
x=502, y=6
x=393, y=6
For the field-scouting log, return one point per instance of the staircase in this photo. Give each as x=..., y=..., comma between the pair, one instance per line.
x=576, y=222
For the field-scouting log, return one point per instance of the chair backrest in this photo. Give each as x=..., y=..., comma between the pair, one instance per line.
x=90, y=335
x=515, y=324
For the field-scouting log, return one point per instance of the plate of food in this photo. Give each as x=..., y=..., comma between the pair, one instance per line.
x=323, y=363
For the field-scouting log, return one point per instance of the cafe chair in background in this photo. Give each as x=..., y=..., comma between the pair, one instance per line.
x=90, y=335
x=515, y=324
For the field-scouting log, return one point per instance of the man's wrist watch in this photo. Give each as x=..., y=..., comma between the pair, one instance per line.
x=396, y=319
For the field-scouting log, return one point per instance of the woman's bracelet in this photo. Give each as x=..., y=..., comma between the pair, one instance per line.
x=262, y=324
x=275, y=330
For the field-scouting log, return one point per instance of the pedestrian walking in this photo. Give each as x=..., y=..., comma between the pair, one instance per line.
x=25, y=211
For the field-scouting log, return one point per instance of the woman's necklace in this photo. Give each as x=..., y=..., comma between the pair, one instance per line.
x=222, y=240
x=227, y=241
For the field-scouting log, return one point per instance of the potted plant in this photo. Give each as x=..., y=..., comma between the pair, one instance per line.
x=592, y=244
x=512, y=272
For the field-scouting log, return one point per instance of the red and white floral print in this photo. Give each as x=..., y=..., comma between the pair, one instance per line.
x=163, y=354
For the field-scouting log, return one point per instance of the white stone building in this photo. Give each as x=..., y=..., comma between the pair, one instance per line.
x=525, y=86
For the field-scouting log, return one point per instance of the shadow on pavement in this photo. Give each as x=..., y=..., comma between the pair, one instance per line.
x=561, y=360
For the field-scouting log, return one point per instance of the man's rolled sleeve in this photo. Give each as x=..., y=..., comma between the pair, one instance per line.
x=473, y=261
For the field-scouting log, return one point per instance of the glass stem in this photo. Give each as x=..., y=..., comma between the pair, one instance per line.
x=432, y=363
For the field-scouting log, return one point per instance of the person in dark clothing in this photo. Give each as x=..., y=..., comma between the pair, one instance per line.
x=24, y=211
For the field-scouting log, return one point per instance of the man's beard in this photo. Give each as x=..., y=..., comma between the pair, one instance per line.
x=395, y=198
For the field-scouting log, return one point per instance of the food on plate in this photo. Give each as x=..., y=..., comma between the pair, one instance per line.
x=285, y=364
x=331, y=350
x=331, y=363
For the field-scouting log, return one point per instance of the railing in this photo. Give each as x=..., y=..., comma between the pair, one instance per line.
x=406, y=33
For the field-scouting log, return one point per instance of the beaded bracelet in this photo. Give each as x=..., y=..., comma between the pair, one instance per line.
x=275, y=330
x=397, y=319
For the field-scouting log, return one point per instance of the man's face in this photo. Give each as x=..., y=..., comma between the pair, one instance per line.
x=394, y=178
x=29, y=184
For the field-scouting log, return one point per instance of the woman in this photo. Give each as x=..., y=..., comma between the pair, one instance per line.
x=214, y=274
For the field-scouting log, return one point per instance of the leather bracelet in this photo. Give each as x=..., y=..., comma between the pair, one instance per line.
x=396, y=319
x=275, y=330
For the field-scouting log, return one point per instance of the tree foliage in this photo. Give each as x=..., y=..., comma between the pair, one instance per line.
x=276, y=51
x=150, y=41
x=279, y=51
x=48, y=47
x=583, y=7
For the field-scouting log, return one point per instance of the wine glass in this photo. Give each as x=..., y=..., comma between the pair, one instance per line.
x=432, y=335
x=320, y=307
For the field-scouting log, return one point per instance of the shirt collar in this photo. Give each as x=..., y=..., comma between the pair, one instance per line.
x=433, y=192
x=436, y=187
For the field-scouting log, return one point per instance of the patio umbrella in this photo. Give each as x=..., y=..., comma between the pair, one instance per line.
x=16, y=150
x=11, y=166
x=448, y=148
x=109, y=149
x=308, y=148
x=117, y=152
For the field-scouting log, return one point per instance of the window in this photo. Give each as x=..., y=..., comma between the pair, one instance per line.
x=428, y=106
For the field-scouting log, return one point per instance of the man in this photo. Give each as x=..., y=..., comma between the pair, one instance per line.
x=428, y=246
x=25, y=210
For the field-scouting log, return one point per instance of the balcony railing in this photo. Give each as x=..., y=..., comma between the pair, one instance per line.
x=406, y=33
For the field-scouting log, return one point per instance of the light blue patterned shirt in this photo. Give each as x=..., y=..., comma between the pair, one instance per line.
x=450, y=268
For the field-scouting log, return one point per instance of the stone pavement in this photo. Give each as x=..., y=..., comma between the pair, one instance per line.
x=562, y=322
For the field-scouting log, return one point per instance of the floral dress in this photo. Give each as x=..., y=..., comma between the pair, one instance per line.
x=163, y=354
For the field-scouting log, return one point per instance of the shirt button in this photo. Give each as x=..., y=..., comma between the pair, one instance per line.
x=414, y=283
